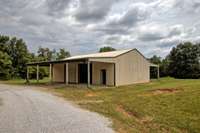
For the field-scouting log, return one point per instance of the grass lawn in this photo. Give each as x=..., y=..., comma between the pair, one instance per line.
x=1, y=102
x=165, y=105
x=23, y=81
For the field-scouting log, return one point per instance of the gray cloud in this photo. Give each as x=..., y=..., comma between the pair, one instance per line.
x=11, y=8
x=93, y=10
x=132, y=16
x=28, y=19
x=191, y=6
x=57, y=7
x=158, y=32
x=124, y=23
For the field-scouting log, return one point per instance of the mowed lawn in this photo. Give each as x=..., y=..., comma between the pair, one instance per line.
x=164, y=105
x=23, y=82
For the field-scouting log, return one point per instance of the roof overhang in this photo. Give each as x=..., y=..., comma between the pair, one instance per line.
x=83, y=60
x=103, y=60
x=47, y=63
x=153, y=65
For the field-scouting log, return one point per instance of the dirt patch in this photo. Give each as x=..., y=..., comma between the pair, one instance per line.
x=121, y=130
x=124, y=112
x=91, y=94
x=142, y=120
x=165, y=90
x=146, y=119
x=161, y=91
x=57, y=94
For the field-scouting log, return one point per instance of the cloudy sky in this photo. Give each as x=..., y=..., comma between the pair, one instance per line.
x=83, y=26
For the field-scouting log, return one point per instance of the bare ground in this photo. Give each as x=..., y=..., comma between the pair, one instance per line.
x=25, y=110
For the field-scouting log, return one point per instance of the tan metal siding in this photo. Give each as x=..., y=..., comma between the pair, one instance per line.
x=58, y=72
x=105, y=60
x=96, y=73
x=131, y=68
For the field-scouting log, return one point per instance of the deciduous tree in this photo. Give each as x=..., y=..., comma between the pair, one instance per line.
x=184, y=61
x=106, y=49
x=62, y=54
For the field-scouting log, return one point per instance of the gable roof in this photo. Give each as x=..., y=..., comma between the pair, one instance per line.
x=111, y=54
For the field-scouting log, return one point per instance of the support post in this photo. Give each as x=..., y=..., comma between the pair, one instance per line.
x=27, y=75
x=50, y=72
x=88, y=76
x=66, y=74
x=37, y=73
x=158, y=72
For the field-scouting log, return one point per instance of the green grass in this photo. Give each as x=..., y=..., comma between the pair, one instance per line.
x=23, y=81
x=1, y=102
x=137, y=108
x=141, y=107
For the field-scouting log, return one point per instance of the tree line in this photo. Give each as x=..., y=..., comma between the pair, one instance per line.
x=14, y=55
x=183, y=61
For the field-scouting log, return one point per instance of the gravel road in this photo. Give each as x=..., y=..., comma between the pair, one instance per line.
x=25, y=110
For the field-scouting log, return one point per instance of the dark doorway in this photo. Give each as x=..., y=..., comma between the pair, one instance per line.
x=103, y=76
x=64, y=73
x=83, y=73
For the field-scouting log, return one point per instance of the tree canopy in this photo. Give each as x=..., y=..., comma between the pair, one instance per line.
x=106, y=49
x=14, y=55
x=45, y=54
x=184, y=61
x=62, y=54
x=5, y=65
x=5, y=59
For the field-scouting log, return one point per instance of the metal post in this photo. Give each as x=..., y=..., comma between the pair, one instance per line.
x=66, y=73
x=50, y=72
x=88, y=69
x=27, y=75
x=37, y=73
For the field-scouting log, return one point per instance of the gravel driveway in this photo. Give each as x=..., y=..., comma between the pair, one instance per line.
x=25, y=110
